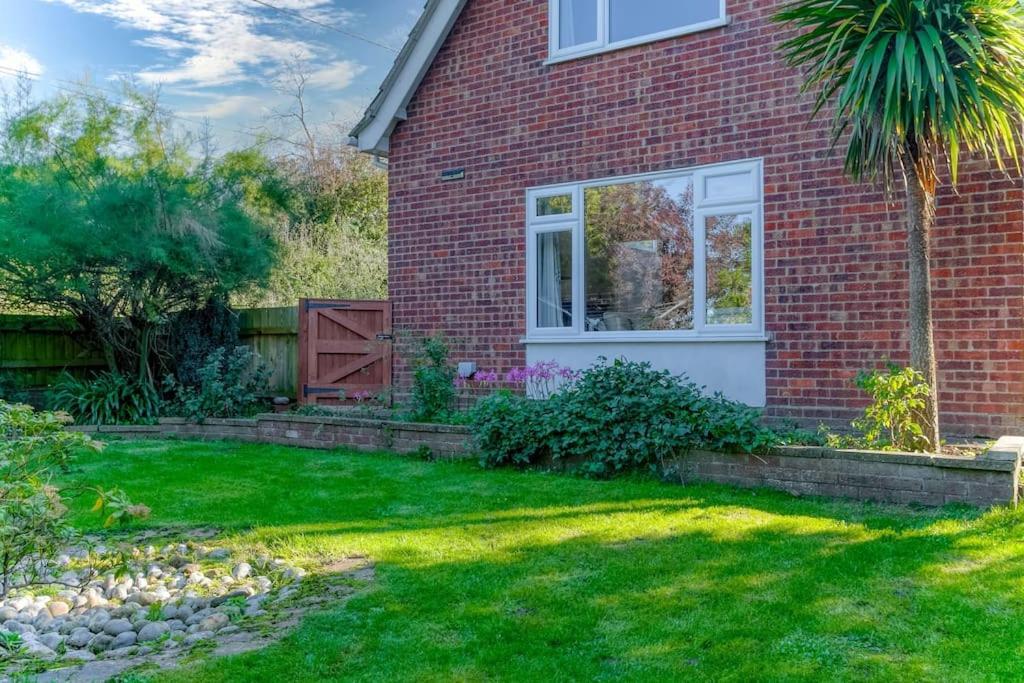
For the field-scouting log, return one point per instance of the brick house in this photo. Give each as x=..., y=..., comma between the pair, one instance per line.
x=572, y=179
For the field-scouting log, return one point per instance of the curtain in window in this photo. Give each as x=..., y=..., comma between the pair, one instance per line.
x=549, y=281
x=568, y=23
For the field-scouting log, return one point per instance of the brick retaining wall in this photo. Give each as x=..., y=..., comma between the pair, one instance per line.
x=990, y=479
x=444, y=441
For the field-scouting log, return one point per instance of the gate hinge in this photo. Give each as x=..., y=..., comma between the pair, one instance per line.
x=385, y=337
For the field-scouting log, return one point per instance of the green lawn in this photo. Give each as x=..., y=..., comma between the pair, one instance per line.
x=485, y=575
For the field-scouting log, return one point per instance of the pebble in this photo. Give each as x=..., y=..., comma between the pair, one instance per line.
x=105, y=616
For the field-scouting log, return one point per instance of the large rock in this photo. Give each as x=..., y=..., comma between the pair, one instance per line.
x=214, y=622
x=80, y=637
x=58, y=608
x=242, y=570
x=98, y=619
x=153, y=631
x=101, y=643
x=123, y=640
x=79, y=656
x=116, y=627
x=51, y=640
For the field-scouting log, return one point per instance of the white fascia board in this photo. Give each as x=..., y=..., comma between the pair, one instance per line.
x=373, y=133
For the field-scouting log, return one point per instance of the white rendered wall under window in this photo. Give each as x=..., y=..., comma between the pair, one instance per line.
x=664, y=267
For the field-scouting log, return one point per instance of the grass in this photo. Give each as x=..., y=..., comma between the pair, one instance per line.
x=498, y=575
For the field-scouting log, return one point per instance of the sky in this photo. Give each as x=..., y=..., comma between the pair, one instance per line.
x=219, y=63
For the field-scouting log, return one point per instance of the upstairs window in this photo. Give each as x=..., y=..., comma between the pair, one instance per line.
x=581, y=27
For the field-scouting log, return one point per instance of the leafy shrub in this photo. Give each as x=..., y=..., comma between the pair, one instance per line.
x=193, y=334
x=896, y=417
x=509, y=429
x=433, y=390
x=231, y=384
x=34, y=447
x=615, y=417
x=109, y=398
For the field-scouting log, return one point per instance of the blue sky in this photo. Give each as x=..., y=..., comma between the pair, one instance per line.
x=222, y=61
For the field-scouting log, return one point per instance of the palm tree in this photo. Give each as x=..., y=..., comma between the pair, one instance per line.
x=914, y=84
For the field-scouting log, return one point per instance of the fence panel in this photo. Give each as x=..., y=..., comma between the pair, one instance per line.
x=274, y=334
x=36, y=349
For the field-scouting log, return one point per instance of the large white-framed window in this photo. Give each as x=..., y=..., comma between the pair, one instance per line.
x=584, y=27
x=674, y=255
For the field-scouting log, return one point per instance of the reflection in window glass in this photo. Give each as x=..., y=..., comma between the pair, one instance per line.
x=636, y=18
x=638, y=261
x=577, y=22
x=554, y=279
x=729, y=267
x=733, y=186
x=556, y=205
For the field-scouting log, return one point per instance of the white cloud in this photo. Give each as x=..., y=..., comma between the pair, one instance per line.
x=226, y=106
x=337, y=75
x=13, y=59
x=214, y=42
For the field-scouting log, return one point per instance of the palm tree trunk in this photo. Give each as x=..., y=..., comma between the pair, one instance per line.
x=920, y=222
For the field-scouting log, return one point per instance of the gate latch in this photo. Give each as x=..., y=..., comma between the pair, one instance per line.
x=385, y=337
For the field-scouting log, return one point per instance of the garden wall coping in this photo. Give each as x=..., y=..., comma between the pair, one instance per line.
x=1004, y=456
x=343, y=421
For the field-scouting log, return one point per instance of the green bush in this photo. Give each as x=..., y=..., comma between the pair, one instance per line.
x=615, y=417
x=231, y=383
x=109, y=398
x=896, y=417
x=433, y=390
x=34, y=448
x=510, y=429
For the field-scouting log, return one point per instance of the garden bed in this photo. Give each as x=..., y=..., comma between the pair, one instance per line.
x=992, y=478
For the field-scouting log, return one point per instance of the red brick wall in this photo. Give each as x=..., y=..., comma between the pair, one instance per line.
x=835, y=266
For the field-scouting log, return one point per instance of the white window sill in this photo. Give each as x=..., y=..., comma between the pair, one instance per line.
x=650, y=339
x=567, y=56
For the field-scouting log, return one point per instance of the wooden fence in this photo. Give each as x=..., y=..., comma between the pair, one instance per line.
x=37, y=349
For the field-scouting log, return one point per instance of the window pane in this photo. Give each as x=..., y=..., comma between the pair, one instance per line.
x=638, y=264
x=556, y=205
x=577, y=22
x=635, y=18
x=734, y=186
x=554, y=279
x=730, y=282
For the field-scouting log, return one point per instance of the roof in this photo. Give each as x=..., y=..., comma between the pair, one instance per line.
x=373, y=133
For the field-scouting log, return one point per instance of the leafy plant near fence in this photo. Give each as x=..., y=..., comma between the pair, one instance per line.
x=34, y=448
x=109, y=398
x=231, y=383
x=434, y=391
x=615, y=416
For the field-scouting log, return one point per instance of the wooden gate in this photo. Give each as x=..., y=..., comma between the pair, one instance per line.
x=343, y=346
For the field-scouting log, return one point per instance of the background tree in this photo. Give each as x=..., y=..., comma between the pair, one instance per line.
x=107, y=216
x=333, y=241
x=915, y=84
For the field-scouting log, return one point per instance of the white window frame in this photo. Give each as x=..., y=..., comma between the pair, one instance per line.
x=556, y=53
x=703, y=208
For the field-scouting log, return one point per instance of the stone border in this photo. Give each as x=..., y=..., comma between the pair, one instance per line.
x=992, y=478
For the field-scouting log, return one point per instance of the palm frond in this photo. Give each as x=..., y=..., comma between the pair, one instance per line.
x=913, y=79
